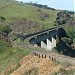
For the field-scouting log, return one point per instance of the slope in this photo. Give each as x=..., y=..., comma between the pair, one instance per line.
x=16, y=11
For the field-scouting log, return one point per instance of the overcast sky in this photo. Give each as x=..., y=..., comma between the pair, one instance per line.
x=58, y=4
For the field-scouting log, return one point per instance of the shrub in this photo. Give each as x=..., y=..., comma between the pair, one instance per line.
x=2, y=19
x=4, y=30
x=62, y=18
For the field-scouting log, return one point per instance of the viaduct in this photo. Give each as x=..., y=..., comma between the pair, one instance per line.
x=46, y=39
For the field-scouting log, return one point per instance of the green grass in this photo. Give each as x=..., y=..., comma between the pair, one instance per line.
x=11, y=56
x=17, y=11
x=3, y=2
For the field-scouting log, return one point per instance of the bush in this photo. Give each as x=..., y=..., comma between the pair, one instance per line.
x=4, y=30
x=2, y=19
x=15, y=36
x=68, y=41
x=62, y=18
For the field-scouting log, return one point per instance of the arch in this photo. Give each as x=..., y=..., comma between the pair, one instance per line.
x=45, y=55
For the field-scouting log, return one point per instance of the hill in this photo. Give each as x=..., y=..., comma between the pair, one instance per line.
x=15, y=13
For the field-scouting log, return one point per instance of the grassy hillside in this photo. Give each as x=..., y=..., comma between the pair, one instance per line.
x=15, y=11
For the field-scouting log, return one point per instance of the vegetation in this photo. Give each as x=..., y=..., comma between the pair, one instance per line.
x=67, y=33
x=17, y=11
x=10, y=55
x=2, y=19
x=65, y=72
x=62, y=18
x=4, y=30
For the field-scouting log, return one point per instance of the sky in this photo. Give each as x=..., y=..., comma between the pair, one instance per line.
x=57, y=4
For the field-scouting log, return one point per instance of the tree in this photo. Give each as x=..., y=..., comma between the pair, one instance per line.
x=2, y=19
x=71, y=33
x=62, y=18
x=70, y=29
x=4, y=30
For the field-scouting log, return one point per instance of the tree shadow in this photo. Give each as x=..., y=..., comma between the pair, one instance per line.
x=62, y=33
x=64, y=49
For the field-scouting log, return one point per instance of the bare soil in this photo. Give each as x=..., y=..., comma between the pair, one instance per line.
x=33, y=65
